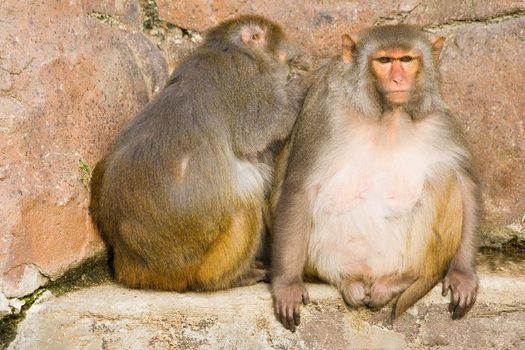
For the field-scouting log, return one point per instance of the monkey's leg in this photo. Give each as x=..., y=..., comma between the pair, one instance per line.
x=132, y=268
x=446, y=231
x=386, y=288
x=354, y=292
x=228, y=262
x=255, y=274
x=138, y=275
x=461, y=276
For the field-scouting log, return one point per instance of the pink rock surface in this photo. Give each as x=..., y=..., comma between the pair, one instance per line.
x=483, y=82
x=318, y=25
x=69, y=81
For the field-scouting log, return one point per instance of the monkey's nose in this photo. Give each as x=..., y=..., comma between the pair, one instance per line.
x=397, y=79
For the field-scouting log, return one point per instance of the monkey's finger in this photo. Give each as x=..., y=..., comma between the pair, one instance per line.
x=297, y=315
x=474, y=296
x=258, y=265
x=282, y=316
x=467, y=309
x=459, y=312
x=467, y=305
x=454, y=301
x=451, y=307
x=306, y=297
x=469, y=302
x=289, y=319
x=279, y=312
x=460, y=308
x=265, y=276
x=446, y=286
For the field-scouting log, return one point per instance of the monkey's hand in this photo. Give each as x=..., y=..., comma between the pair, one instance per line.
x=287, y=301
x=464, y=289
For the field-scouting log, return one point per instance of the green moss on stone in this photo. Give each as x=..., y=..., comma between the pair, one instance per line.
x=85, y=173
x=91, y=272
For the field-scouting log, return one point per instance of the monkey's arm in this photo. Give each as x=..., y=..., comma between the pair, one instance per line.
x=289, y=257
x=461, y=276
x=268, y=115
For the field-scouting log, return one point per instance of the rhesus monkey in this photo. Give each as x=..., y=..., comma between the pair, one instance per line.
x=380, y=198
x=179, y=196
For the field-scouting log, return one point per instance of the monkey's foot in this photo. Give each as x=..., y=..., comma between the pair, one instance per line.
x=464, y=289
x=386, y=288
x=355, y=293
x=287, y=300
x=257, y=264
x=380, y=295
x=253, y=276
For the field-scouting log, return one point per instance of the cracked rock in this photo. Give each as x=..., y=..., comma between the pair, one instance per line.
x=16, y=305
x=29, y=281
x=4, y=305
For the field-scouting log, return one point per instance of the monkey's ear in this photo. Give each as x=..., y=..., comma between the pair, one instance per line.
x=252, y=35
x=348, y=48
x=286, y=51
x=437, y=45
x=282, y=56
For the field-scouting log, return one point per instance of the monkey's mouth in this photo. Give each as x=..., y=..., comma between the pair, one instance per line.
x=397, y=96
x=398, y=92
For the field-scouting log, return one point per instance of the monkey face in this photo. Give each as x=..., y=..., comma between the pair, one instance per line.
x=396, y=73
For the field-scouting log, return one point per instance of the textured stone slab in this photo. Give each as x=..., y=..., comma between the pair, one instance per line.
x=72, y=73
x=112, y=317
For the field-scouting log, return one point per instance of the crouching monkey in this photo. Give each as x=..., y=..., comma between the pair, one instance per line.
x=379, y=198
x=179, y=196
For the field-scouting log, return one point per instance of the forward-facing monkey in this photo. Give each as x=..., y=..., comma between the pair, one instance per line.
x=179, y=196
x=380, y=198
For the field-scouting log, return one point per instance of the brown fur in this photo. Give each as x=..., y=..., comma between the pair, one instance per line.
x=179, y=196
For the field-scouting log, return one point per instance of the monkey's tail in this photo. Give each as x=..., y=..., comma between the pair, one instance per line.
x=412, y=294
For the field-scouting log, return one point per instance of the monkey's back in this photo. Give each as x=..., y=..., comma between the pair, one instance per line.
x=172, y=184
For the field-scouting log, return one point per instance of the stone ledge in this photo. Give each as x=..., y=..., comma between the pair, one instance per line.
x=112, y=317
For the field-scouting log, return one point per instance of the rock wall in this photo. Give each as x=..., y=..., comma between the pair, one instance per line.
x=72, y=73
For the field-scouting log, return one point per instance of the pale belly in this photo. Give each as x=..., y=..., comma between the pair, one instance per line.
x=368, y=215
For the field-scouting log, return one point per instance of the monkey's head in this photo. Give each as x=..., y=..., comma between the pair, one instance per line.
x=396, y=64
x=254, y=35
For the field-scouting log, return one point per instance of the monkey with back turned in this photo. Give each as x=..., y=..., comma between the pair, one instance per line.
x=379, y=196
x=179, y=196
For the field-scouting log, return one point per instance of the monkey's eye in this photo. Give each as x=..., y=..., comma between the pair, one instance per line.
x=406, y=58
x=384, y=59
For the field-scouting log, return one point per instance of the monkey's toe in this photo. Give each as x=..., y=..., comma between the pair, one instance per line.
x=354, y=293
x=464, y=288
x=253, y=276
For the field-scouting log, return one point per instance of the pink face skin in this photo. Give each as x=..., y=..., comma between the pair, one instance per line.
x=396, y=71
